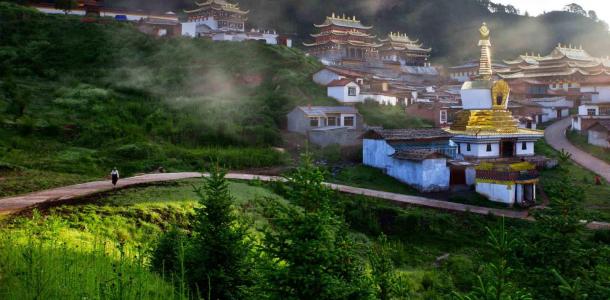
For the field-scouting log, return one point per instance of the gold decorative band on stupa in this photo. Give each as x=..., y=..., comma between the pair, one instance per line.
x=485, y=69
x=476, y=121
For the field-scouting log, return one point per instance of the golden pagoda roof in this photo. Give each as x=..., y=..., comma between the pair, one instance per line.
x=343, y=21
x=340, y=42
x=401, y=42
x=343, y=32
x=217, y=5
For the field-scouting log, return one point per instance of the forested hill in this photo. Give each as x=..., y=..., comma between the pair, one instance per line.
x=449, y=26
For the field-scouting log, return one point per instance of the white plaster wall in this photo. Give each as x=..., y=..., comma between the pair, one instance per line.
x=476, y=99
x=471, y=176
x=527, y=152
x=497, y=192
x=598, y=138
x=53, y=11
x=376, y=153
x=189, y=29
x=604, y=94
x=341, y=93
x=565, y=112
x=480, y=150
x=548, y=114
x=576, y=125
x=343, y=116
x=381, y=99
x=582, y=110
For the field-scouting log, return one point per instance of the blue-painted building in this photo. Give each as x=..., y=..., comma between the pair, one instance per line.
x=418, y=157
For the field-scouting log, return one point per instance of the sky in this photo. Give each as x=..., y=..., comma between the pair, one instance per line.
x=536, y=7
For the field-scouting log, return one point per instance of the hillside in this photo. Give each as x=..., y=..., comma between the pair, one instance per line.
x=445, y=25
x=79, y=98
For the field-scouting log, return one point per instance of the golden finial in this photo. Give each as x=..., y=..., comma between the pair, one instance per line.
x=333, y=15
x=484, y=32
x=354, y=18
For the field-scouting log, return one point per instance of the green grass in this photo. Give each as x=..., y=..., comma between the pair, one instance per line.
x=17, y=182
x=371, y=178
x=98, y=249
x=390, y=117
x=597, y=197
x=580, y=141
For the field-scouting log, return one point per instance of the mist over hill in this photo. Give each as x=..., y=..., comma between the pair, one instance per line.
x=448, y=26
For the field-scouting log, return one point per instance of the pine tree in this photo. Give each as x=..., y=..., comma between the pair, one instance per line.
x=312, y=250
x=216, y=262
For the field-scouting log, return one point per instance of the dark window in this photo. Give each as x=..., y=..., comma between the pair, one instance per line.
x=488, y=147
x=314, y=122
x=459, y=146
x=351, y=91
x=524, y=146
x=468, y=147
x=332, y=121
x=348, y=121
x=591, y=111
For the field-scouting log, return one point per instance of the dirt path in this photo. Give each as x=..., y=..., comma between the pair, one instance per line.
x=63, y=194
x=556, y=137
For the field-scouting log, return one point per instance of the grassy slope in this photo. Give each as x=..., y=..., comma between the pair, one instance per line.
x=78, y=98
x=131, y=219
x=596, y=196
x=99, y=241
x=581, y=142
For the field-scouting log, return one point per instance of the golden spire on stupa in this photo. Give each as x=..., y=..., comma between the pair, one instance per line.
x=485, y=70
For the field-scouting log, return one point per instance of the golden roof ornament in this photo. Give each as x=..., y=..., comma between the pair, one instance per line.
x=484, y=32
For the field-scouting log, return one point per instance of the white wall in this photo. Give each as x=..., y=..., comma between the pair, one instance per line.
x=341, y=93
x=189, y=29
x=476, y=98
x=376, y=153
x=582, y=110
x=379, y=98
x=576, y=123
x=497, y=192
x=598, y=138
x=427, y=175
x=527, y=152
x=480, y=150
x=343, y=116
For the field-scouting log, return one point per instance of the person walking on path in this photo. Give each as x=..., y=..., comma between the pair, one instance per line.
x=114, y=175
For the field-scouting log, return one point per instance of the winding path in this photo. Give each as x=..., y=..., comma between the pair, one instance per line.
x=73, y=192
x=555, y=136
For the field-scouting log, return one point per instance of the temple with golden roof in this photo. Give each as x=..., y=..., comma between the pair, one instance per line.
x=563, y=72
x=398, y=47
x=488, y=135
x=221, y=20
x=343, y=40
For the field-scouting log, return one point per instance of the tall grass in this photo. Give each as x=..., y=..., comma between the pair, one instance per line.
x=37, y=262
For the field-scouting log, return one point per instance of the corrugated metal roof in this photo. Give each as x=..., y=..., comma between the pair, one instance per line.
x=323, y=110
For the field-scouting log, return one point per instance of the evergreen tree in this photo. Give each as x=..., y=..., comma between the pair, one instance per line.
x=313, y=254
x=216, y=262
x=382, y=268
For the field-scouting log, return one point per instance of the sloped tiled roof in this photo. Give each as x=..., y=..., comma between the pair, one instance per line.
x=603, y=123
x=418, y=155
x=407, y=134
x=340, y=82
